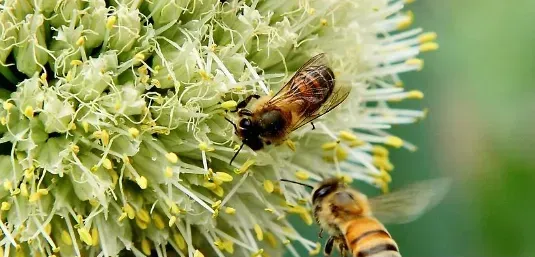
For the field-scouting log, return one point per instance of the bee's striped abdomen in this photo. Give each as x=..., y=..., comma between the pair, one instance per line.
x=314, y=84
x=366, y=237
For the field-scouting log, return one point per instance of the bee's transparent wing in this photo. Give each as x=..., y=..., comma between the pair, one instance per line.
x=409, y=203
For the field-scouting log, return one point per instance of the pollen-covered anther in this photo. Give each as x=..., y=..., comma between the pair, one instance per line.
x=66, y=237
x=259, y=232
x=290, y=145
x=28, y=111
x=172, y=221
x=407, y=21
x=415, y=94
x=246, y=165
x=85, y=236
x=158, y=221
x=268, y=186
x=127, y=208
x=5, y=206
x=141, y=224
x=145, y=246
x=229, y=105
x=323, y=22
x=7, y=105
x=230, y=210
x=347, y=135
x=76, y=63
x=394, y=141
x=106, y=163
x=143, y=215
x=316, y=250
x=258, y=253
x=142, y=182
x=419, y=63
x=80, y=41
x=171, y=157
x=429, y=46
x=427, y=37
x=198, y=253
x=168, y=172
x=330, y=145
x=111, y=22
x=220, y=177
x=302, y=175
x=380, y=150
x=205, y=147
x=382, y=163
x=179, y=241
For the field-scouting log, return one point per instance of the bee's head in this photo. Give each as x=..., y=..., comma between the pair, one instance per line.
x=325, y=188
x=248, y=130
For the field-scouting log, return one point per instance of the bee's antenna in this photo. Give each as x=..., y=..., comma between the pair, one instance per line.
x=233, y=124
x=236, y=154
x=299, y=183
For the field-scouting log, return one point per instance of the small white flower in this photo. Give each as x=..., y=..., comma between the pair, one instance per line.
x=117, y=135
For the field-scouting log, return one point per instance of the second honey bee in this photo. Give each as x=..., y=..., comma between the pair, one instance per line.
x=355, y=222
x=309, y=94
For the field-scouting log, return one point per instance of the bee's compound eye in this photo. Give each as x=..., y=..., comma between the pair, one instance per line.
x=245, y=123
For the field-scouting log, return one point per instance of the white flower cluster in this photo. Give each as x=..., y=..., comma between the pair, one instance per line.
x=113, y=120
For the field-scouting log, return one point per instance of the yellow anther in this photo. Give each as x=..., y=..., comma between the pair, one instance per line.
x=179, y=241
x=198, y=253
x=143, y=215
x=290, y=144
x=139, y=56
x=174, y=209
x=8, y=185
x=398, y=83
x=94, y=235
x=24, y=190
x=142, y=225
x=427, y=37
x=209, y=185
x=145, y=246
x=330, y=145
x=80, y=41
x=5, y=206
x=302, y=175
x=230, y=210
x=258, y=253
x=205, y=75
x=415, y=62
x=127, y=208
x=158, y=221
x=394, y=141
x=305, y=216
x=345, y=178
x=348, y=135
x=228, y=246
x=85, y=126
x=245, y=166
x=134, y=132
x=269, y=210
x=415, y=94
x=168, y=172
x=323, y=22
x=34, y=197
x=3, y=121
x=223, y=176
x=316, y=250
x=75, y=63
x=172, y=221
x=156, y=83
x=107, y=164
x=85, y=236
x=311, y=11
x=72, y=126
x=229, y=105
x=271, y=239
x=216, y=204
x=7, y=105
x=122, y=217
x=386, y=177
x=268, y=186
x=219, y=191
x=111, y=21
x=28, y=111
x=48, y=228
x=171, y=157
x=142, y=182
x=69, y=76
x=430, y=46
x=105, y=138
x=341, y=153
x=259, y=232
x=66, y=237
x=407, y=22
x=380, y=150
x=205, y=147
x=382, y=184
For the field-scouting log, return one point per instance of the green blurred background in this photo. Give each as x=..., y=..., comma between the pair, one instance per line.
x=480, y=90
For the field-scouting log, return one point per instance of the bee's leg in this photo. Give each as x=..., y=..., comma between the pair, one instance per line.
x=245, y=102
x=342, y=246
x=320, y=234
x=313, y=127
x=233, y=124
x=245, y=112
x=329, y=246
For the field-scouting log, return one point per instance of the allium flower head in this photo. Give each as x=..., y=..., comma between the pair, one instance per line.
x=113, y=120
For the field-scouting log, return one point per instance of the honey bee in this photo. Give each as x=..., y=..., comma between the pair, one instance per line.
x=309, y=94
x=355, y=222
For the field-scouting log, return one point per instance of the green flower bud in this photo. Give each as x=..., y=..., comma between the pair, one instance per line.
x=66, y=47
x=8, y=36
x=65, y=12
x=165, y=11
x=56, y=114
x=93, y=21
x=94, y=77
x=31, y=53
x=126, y=31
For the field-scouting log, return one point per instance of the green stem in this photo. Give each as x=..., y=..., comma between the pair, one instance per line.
x=4, y=70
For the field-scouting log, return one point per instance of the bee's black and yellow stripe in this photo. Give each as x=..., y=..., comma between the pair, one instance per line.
x=367, y=237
